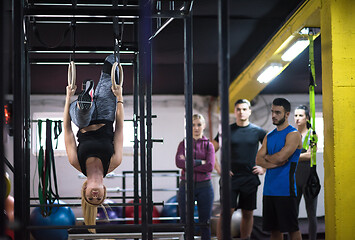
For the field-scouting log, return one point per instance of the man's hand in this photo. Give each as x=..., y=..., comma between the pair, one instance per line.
x=259, y=170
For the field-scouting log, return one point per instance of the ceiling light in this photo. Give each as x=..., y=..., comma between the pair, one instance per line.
x=270, y=73
x=285, y=44
x=294, y=50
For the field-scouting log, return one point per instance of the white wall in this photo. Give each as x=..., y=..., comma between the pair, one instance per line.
x=168, y=125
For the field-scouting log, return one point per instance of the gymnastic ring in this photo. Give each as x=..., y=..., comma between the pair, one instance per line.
x=113, y=74
x=71, y=75
x=8, y=185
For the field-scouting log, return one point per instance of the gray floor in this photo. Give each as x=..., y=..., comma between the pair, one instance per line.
x=258, y=234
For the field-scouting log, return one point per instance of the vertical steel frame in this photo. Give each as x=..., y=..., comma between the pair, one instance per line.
x=149, y=145
x=144, y=76
x=223, y=81
x=21, y=92
x=142, y=116
x=3, y=32
x=136, y=142
x=188, y=90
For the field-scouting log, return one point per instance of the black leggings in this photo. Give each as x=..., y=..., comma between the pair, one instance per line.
x=104, y=103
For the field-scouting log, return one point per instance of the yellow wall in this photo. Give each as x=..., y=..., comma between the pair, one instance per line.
x=338, y=80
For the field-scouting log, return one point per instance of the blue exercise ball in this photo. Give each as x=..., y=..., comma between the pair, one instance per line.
x=171, y=210
x=113, y=212
x=60, y=216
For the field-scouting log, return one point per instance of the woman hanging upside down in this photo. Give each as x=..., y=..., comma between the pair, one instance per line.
x=100, y=145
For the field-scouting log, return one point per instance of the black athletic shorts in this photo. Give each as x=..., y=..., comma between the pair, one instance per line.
x=243, y=200
x=280, y=213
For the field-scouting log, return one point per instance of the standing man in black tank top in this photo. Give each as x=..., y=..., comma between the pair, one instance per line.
x=245, y=139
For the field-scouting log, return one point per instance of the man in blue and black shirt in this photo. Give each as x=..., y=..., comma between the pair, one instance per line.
x=279, y=154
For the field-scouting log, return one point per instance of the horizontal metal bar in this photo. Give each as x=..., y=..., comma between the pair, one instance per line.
x=79, y=12
x=130, y=219
x=126, y=48
x=114, y=190
x=171, y=14
x=84, y=4
x=77, y=60
x=81, y=21
x=159, y=235
x=76, y=63
x=131, y=175
x=78, y=198
x=80, y=52
x=115, y=227
x=105, y=204
x=97, y=12
x=57, y=61
x=79, y=204
x=153, y=116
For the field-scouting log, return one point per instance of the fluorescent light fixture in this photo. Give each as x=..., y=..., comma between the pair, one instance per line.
x=294, y=50
x=284, y=44
x=270, y=73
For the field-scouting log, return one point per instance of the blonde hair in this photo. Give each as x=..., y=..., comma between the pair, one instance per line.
x=200, y=117
x=90, y=210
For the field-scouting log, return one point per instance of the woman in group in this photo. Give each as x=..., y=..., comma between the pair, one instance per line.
x=303, y=169
x=204, y=159
x=99, y=149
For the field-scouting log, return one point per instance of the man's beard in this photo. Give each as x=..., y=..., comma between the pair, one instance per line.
x=280, y=122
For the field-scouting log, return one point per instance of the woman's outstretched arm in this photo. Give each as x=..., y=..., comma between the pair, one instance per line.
x=69, y=138
x=116, y=158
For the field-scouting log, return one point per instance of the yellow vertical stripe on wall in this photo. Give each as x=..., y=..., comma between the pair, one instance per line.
x=338, y=81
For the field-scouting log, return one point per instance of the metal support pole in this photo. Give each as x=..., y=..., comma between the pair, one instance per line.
x=136, y=142
x=148, y=72
x=143, y=158
x=223, y=80
x=144, y=53
x=21, y=133
x=4, y=31
x=188, y=77
x=124, y=178
x=27, y=122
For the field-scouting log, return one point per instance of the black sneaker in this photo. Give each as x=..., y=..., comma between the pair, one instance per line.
x=85, y=98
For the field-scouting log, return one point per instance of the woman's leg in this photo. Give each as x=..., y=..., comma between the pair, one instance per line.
x=300, y=190
x=302, y=174
x=80, y=117
x=204, y=197
x=104, y=99
x=311, y=207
